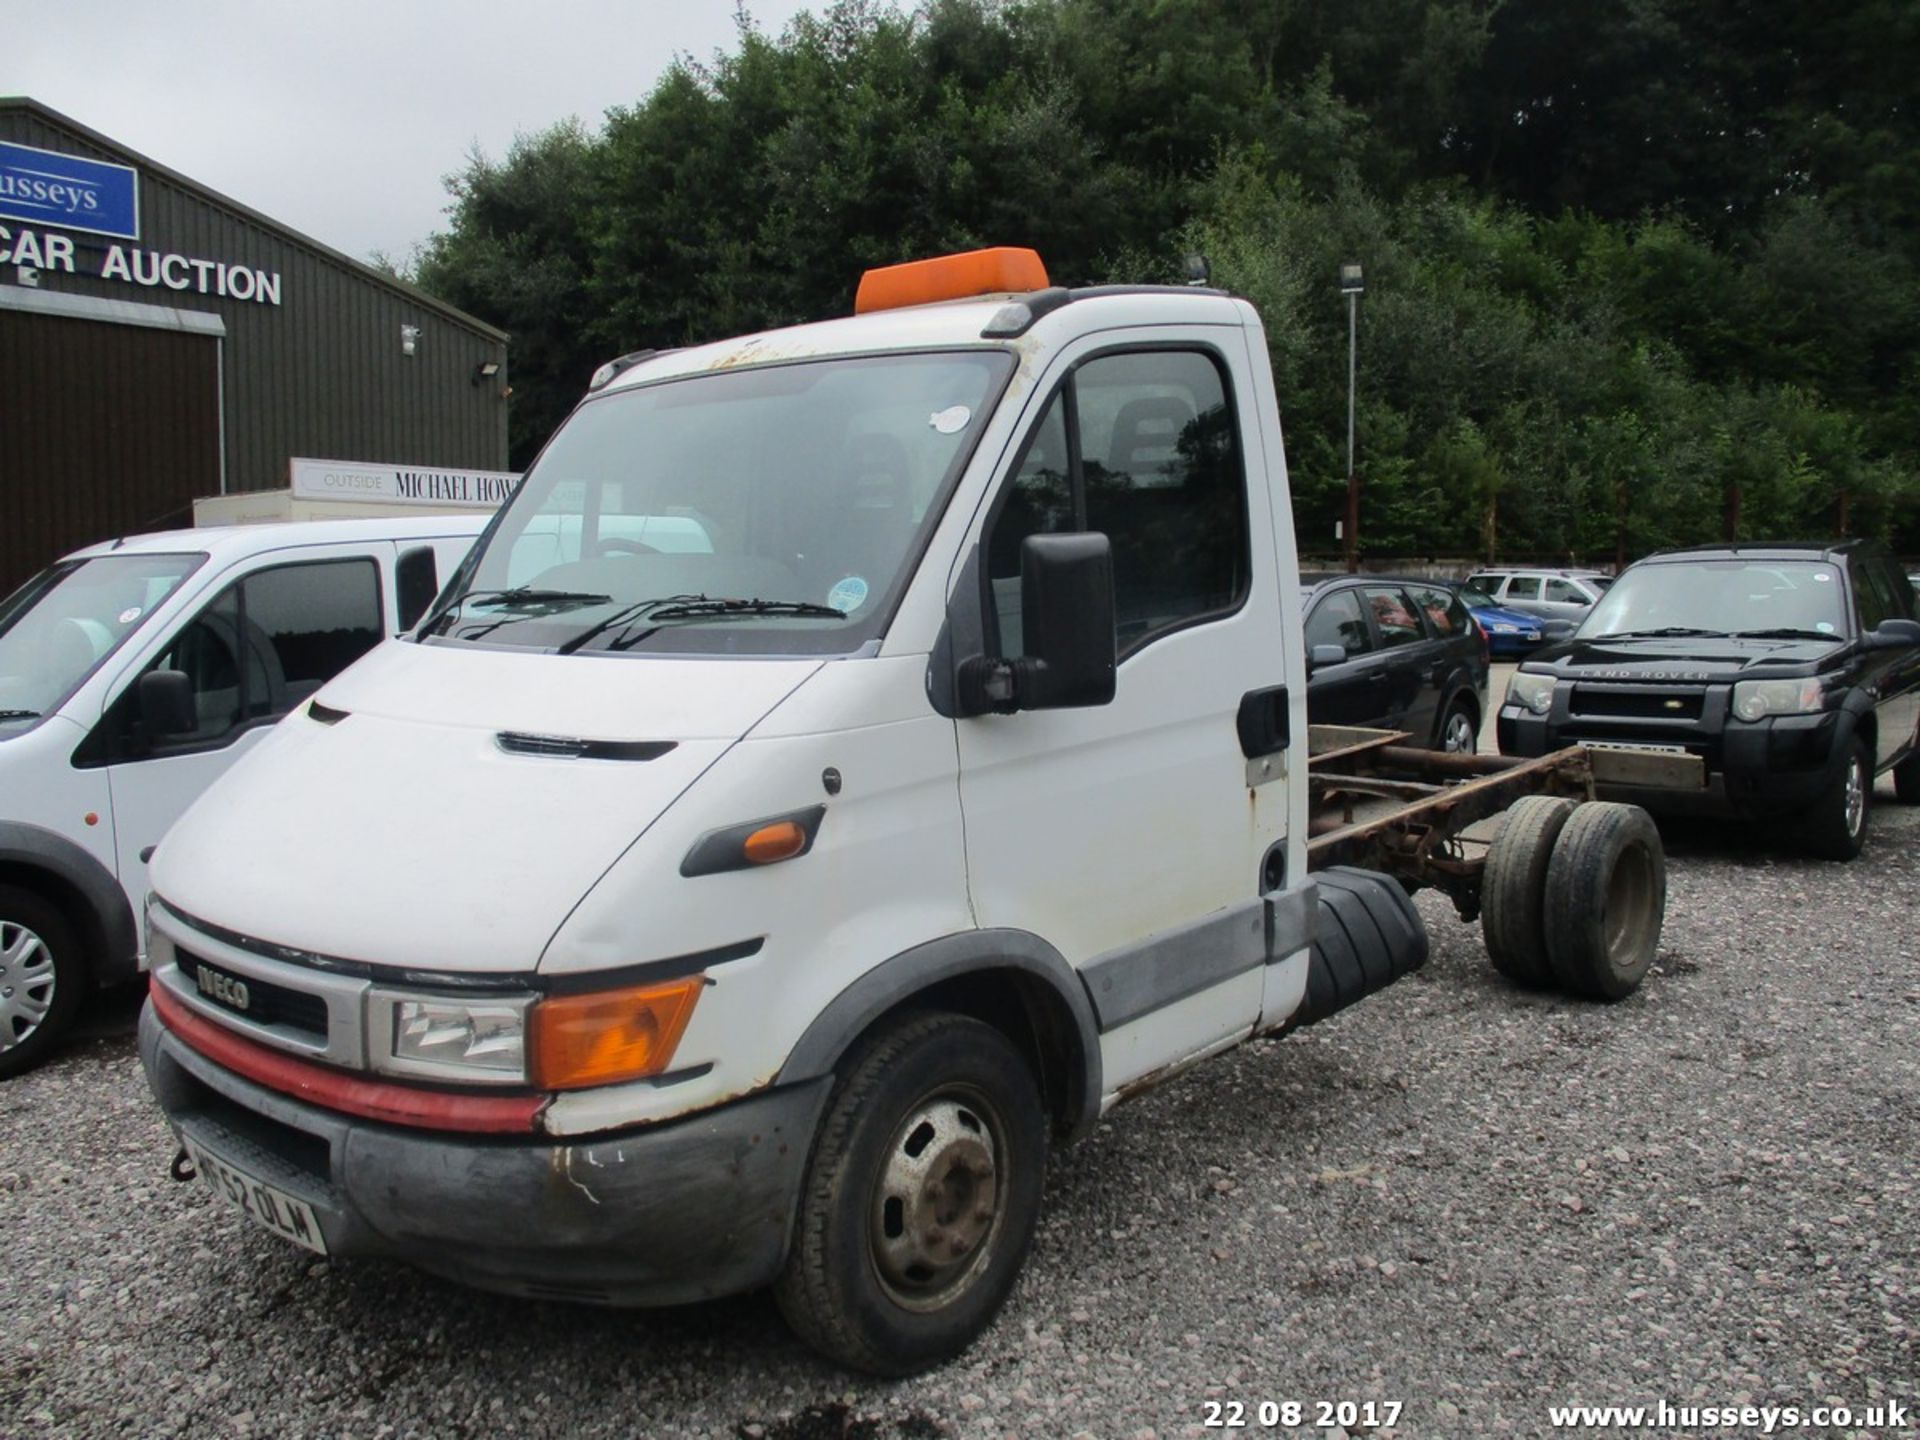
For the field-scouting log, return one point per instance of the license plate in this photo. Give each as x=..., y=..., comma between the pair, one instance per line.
x=1636, y=745
x=288, y=1217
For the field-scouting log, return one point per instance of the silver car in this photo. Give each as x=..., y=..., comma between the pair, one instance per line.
x=1550, y=594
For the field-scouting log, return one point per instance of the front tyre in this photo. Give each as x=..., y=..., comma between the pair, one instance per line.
x=920, y=1196
x=42, y=977
x=1836, y=826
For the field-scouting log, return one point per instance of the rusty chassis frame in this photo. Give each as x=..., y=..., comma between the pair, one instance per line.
x=1376, y=802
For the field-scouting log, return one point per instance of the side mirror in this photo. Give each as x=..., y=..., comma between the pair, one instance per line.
x=1067, y=609
x=1894, y=635
x=165, y=699
x=1320, y=657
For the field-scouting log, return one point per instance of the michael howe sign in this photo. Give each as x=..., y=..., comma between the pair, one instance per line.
x=398, y=484
x=65, y=191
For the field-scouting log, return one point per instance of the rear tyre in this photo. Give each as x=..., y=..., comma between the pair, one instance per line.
x=920, y=1196
x=1459, y=732
x=1513, y=888
x=1836, y=827
x=1606, y=898
x=42, y=978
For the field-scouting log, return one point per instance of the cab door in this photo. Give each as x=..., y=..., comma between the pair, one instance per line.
x=1131, y=836
x=260, y=647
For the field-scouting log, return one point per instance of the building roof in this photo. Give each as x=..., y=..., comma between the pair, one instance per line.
x=21, y=104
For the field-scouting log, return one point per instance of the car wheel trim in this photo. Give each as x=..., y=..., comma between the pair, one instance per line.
x=1855, y=800
x=937, y=1199
x=1459, y=735
x=27, y=981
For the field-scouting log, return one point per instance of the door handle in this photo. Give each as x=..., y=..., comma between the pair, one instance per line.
x=1264, y=723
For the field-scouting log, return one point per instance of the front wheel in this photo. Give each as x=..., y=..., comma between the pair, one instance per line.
x=42, y=976
x=920, y=1197
x=1836, y=826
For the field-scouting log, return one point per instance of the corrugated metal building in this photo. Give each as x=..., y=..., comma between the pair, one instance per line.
x=160, y=342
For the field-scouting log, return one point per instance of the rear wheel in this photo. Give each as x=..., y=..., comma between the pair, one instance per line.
x=1606, y=897
x=42, y=977
x=1513, y=887
x=1836, y=827
x=1459, y=734
x=920, y=1197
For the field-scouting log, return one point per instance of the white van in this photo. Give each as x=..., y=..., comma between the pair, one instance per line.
x=894, y=757
x=132, y=674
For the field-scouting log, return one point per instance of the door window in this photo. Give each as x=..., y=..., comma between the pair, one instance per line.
x=1565, y=592
x=1446, y=616
x=259, y=648
x=1394, y=616
x=1142, y=448
x=1337, y=620
x=1523, y=587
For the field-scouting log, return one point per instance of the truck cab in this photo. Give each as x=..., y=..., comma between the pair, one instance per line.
x=132, y=674
x=857, y=757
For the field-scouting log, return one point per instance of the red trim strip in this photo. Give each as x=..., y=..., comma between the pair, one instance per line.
x=350, y=1094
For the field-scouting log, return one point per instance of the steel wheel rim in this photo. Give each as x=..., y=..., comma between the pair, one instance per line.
x=1856, y=797
x=1629, y=898
x=27, y=982
x=938, y=1199
x=1459, y=737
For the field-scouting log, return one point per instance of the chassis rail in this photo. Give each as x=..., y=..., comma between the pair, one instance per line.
x=1378, y=803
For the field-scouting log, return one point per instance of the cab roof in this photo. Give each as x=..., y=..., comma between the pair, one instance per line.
x=223, y=541
x=948, y=324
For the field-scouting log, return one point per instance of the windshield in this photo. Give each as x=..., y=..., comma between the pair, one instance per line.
x=57, y=628
x=761, y=511
x=1721, y=597
x=1478, y=592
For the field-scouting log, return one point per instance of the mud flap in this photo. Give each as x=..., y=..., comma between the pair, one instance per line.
x=1366, y=936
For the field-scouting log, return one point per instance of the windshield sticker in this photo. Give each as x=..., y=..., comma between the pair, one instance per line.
x=1825, y=627
x=130, y=614
x=950, y=421
x=1823, y=579
x=849, y=595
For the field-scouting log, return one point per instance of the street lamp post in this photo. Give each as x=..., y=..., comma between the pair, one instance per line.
x=1351, y=286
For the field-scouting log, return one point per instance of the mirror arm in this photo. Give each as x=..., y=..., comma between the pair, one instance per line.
x=988, y=686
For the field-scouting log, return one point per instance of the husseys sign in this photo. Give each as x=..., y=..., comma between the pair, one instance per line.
x=48, y=188
x=64, y=192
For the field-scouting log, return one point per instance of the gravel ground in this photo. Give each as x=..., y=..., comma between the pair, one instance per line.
x=1468, y=1199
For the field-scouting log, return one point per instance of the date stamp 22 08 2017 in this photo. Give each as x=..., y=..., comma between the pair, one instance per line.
x=1348, y=1415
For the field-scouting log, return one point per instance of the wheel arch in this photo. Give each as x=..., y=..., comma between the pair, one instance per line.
x=84, y=890
x=1009, y=979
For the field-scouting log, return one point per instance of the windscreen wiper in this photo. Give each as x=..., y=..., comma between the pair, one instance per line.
x=692, y=607
x=1664, y=630
x=19, y=714
x=537, y=602
x=1784, y=632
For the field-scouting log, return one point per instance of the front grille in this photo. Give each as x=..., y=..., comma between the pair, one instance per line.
x=1665, y=702
x=267, y=1003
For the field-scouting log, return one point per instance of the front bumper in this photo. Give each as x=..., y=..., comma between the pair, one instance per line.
x=677, y=1212
x=1770, y=770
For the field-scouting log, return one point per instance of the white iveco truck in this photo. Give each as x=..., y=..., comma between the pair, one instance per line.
x=858, y=756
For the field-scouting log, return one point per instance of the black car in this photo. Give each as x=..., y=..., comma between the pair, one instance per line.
x=1394, y=654
x=1793, y=671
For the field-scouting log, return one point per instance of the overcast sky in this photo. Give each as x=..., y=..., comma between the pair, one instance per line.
x=341, y=118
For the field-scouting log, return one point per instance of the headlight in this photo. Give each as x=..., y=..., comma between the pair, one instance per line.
x=1534, y=692
x=1503, y=630
x=1757, y=699
x=480, y=1041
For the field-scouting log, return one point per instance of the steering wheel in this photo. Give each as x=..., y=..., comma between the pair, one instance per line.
x=617, y=546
